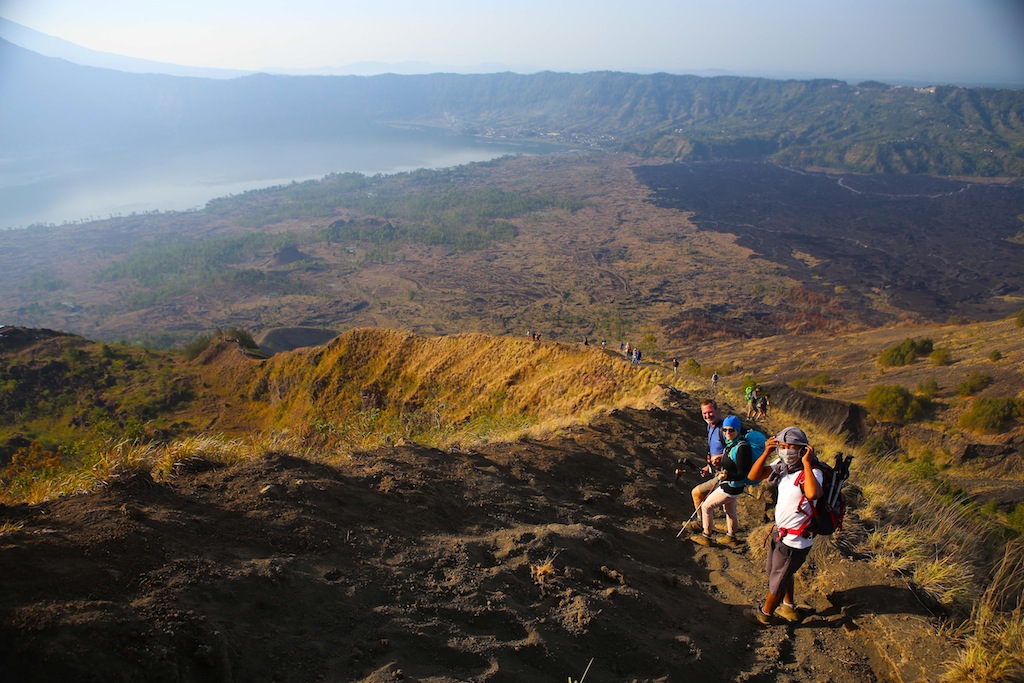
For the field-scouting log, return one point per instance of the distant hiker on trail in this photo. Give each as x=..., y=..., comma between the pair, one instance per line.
x=761, y=409
x=629, y=351
x=716, y=448
x=735, y=464
x=714, y=379
x=795, y=464
x=675, y=366
x=586, y=341
x=750, y=395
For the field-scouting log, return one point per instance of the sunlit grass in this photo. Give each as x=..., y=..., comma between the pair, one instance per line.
x=10, y=528
x=895, y=548
x=946, y=581
x=993, y=649
x=122, y=459
x=441, y=392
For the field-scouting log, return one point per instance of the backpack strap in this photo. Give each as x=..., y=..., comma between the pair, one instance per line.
x=740, y=483
x=803, y=529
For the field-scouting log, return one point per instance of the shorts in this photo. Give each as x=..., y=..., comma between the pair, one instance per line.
x=707, y=487
x=782, y=563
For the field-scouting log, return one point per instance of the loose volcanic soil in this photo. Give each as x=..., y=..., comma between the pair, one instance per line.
x=521, y=561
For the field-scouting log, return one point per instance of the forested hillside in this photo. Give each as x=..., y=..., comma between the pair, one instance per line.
x=870, y=127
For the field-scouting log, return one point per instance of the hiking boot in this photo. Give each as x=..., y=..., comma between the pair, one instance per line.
x=757, y=616
x=703, y=539
x=788, y=612
x=694, y=526
x=729, y=540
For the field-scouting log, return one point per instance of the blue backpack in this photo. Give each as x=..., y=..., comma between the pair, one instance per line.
x=756, y=440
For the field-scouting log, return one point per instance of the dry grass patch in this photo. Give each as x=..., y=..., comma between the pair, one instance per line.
x=921, y=534
x=946, y=581
x=993, y=648
x=895, y=548
x=7, y=528
x=122, y=459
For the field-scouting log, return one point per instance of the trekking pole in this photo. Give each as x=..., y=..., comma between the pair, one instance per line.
x=689, y=520
x=837, y=481
x=842, y=470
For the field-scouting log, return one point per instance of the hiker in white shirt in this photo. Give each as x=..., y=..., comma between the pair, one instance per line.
x=790, y=542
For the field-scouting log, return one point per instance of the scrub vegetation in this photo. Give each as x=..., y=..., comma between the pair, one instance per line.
x=911, y=510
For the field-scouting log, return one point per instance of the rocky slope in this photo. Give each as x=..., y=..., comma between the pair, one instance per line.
x=522, y=561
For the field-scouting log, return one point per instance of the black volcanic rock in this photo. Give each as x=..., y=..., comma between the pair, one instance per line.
x=934, y=246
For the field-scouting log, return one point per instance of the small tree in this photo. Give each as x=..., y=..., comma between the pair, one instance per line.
x=893, y=403
x=905, y=352
x=973, y=383
x=941, y=357
x=197, y=346
x=992, y=415
x=241, y=336
x=928, y=389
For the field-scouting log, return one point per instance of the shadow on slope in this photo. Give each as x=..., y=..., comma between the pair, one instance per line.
x=516, y=561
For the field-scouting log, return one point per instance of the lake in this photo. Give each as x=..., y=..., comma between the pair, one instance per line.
x=55, y=191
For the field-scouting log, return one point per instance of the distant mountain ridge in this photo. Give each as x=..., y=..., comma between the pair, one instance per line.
x=868, y=128
x=59, y=48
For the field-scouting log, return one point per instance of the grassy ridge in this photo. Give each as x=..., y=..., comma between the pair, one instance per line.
x=371, y=387
x=79, y=411
x=374, y=386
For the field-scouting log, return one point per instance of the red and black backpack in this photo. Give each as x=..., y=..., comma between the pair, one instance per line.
x=828, y=510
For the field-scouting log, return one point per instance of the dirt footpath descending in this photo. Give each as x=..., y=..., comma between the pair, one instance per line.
x=516, y=562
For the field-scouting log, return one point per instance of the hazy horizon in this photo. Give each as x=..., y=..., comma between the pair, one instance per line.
x=187, y=178
x=924, y=41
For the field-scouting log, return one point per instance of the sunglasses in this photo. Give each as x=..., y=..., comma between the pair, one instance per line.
x=728, y=429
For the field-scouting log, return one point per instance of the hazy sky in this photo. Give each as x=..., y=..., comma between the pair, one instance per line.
x=950, y=41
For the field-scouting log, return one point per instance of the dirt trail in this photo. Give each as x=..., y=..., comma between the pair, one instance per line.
x=513, y=562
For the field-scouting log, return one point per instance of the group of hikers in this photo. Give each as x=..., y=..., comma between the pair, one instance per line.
x=737, y=460
x=633, y=353
x=757, y=402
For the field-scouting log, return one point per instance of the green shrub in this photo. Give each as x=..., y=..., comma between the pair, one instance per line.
x=992, y=415
x=1020, y=318
x=941, y=357
x=996, y=355
x=874, y=445
x=197, y=346
x=893, y=403
x=1016, y=519
x=905, y=352
x=928, y=389
x=693, y=367
x=973, y=383
x=241, y=336
x=924, y=468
